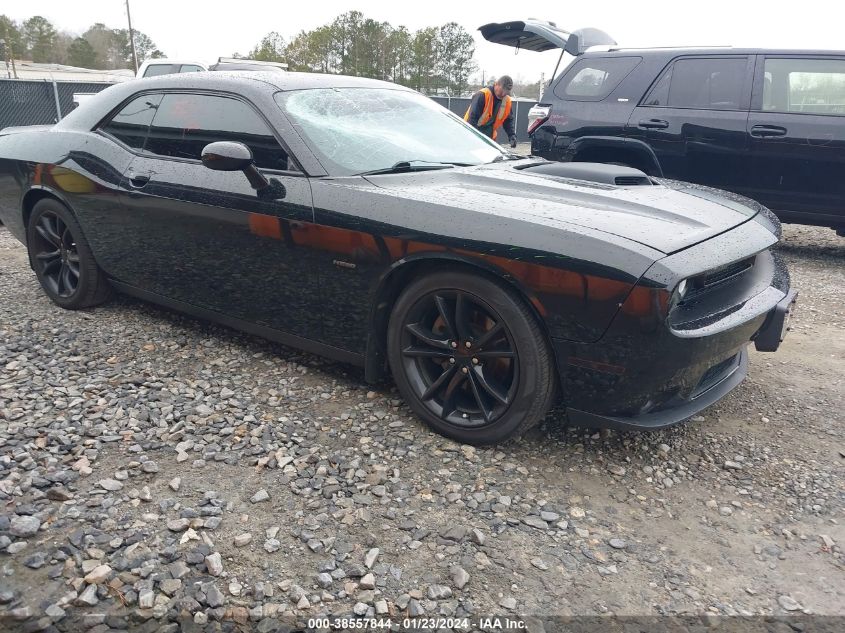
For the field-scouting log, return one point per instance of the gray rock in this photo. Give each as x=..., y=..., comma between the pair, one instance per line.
x=788, y=603
x=112, y=485
x=178, y=569
x=617, y=543
x=24, y=526
x=98, y=575
x=88, y=597
x=178, y=525
x=535, y=522
x=370, y=558
x=213, y=596
x=540, y=564
x=456, y=533
x=261, y=495
x=214, y=564
x=54, y=612
x=146, y=598
x=460, y=576
x=439, y=592
x=170, y=586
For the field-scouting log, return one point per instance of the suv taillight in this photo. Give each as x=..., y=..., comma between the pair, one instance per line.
x=537, y=116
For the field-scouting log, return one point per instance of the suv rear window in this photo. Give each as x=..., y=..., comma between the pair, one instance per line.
x=154, y=70
x=592, y=79
x=810, y=86
x=701, y=84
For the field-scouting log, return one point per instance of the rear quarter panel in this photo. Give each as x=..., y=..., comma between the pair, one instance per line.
x=80, y=168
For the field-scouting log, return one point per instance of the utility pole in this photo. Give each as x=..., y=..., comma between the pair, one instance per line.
x=132, y=37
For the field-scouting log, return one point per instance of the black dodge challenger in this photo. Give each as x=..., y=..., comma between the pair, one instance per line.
x=359, y=220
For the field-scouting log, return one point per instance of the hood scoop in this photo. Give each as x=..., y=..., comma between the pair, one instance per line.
x=615, y=175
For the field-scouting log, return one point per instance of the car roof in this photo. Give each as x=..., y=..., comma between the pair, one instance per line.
x=239, y=82
x=708, y=50
x=282, y=81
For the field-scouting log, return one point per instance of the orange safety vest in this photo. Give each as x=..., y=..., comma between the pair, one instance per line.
x=487, y=114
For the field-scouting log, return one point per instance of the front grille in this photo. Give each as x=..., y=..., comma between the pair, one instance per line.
x=716, y=374
x=723, y=273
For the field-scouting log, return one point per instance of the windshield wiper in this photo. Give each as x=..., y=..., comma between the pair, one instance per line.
x=406, y=166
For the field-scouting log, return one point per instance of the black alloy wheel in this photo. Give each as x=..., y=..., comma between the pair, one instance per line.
x=55, y=252
x=460, y=357
x=469, y=357
x=62, y=259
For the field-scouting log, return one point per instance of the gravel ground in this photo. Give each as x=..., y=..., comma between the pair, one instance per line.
x=157, y=471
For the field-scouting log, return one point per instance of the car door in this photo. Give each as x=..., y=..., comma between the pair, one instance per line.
x=206, y=238
x=797, y=131
x=694, y=117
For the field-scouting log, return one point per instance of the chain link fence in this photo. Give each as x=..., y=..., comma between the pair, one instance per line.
x=40, y=102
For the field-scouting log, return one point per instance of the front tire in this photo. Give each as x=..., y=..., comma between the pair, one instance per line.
x=62, y=259
x=469, y=358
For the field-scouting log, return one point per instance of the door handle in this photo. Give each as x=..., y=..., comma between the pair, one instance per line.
x=767, y=131
x=139, y=180
x=653, y=124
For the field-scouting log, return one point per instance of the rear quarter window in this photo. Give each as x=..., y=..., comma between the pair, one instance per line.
x=593, y=79
x=132, y=122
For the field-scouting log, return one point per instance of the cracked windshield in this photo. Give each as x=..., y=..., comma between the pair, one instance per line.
x=364, y=129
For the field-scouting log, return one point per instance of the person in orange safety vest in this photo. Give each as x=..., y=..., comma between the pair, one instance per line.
x=490, y=110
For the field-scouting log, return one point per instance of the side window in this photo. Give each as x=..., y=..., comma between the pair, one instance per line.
x=190, y=68
x=185, y=123
x=811, y=86
x=132, y=123
x=593, y=79
x=154, y=70
x=708, y=83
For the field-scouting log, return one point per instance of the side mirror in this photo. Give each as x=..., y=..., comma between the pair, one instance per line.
x=227, y=156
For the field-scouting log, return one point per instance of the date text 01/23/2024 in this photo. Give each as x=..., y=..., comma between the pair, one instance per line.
x=417, y=624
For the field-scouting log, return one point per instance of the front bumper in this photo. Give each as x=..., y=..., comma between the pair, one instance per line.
x=774, y=330
x=676, y=412
x=650, y=371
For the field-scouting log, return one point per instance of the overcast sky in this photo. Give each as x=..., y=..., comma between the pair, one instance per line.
x=206, y=29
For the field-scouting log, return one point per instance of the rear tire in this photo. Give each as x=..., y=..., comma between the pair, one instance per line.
x=62, y=259
x=469, y=358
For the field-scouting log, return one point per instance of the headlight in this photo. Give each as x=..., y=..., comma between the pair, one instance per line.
x=681, y=290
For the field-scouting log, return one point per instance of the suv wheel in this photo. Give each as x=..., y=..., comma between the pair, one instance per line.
x=469, y=358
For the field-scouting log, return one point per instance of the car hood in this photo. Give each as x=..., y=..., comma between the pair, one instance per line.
x=667, y=217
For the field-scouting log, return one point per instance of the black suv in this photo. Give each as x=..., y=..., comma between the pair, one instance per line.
x=768, y=124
